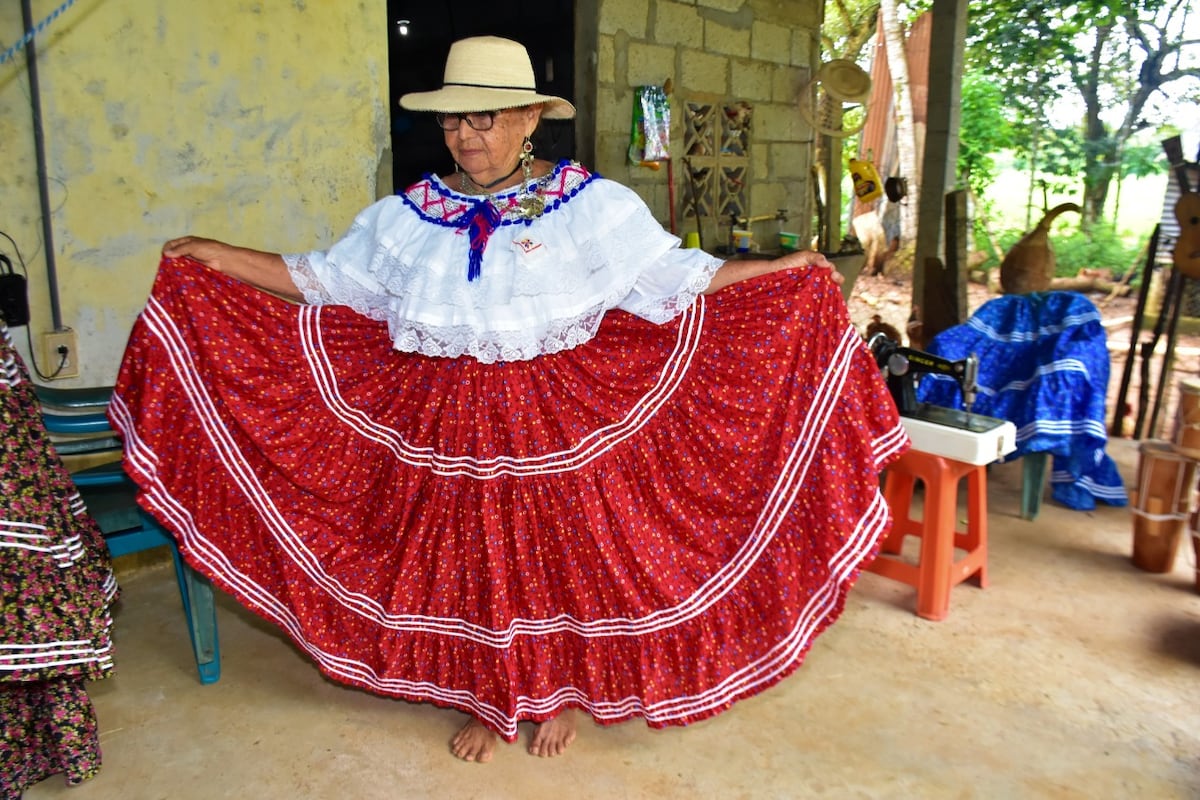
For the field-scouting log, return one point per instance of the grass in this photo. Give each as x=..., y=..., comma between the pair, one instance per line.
x=1139, y=203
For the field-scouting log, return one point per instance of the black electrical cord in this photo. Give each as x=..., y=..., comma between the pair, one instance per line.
x=39, y=147
x=62, y=363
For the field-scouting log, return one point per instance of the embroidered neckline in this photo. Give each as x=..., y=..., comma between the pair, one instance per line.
x=481, y=216
x=436, y=202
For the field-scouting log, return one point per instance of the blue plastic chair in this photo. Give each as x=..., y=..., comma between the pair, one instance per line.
x=110, y=497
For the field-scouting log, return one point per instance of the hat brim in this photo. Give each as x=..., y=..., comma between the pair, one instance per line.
x=466, y=99
x=845, y=81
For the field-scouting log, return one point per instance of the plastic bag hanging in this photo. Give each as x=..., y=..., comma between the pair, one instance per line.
x=650, y=135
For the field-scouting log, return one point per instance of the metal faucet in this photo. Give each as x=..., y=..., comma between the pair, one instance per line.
x=735, y=220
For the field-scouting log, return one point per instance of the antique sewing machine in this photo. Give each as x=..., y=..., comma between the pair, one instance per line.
x=950, y=432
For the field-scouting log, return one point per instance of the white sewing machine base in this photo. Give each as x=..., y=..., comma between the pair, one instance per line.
x=982, y=441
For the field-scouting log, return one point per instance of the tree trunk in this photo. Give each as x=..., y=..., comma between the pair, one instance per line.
x=1034, y=141
x=1102, y=147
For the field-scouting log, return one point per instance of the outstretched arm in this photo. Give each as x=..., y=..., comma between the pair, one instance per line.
x=739, y=270
x=263, y=270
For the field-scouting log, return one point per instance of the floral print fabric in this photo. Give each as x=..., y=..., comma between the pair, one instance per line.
x=653, y=525
x=57, y=584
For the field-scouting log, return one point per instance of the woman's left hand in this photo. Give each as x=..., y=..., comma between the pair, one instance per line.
x=740, y=269
x=807, y=258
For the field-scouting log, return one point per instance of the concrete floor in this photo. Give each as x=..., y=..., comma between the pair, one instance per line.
x=1073, y=675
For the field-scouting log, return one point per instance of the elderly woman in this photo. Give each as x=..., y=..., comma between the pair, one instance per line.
x=512, y=450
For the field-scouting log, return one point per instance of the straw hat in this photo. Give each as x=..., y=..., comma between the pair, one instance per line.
x=487, y=73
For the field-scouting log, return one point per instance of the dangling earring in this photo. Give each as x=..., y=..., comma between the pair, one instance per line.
x=531, y=202
x=527, y=159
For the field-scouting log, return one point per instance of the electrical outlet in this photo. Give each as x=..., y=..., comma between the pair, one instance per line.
x=60, y=354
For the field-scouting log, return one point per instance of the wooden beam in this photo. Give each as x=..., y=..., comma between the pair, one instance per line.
x=941, y=134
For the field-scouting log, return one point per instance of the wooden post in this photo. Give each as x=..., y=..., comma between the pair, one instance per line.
x=940, y=148
x=957, y=239
x=831, y=166
x=944, y=296
x=1117, y=428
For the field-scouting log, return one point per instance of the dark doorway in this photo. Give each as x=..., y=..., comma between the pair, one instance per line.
x=417, y=56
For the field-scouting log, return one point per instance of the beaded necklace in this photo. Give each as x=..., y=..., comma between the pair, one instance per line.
x=529, y=202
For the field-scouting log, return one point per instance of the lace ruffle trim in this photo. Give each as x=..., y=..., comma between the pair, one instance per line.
x=453, y=341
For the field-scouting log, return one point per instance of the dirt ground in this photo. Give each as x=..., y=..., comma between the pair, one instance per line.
x=891, y=299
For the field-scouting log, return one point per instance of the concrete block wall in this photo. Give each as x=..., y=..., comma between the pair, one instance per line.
x=713, y=51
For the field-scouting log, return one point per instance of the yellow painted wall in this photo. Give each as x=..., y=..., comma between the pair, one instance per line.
x=261, y=123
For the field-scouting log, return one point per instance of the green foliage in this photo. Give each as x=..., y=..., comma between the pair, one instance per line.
x=848, y=26
x=1025, y=49
x=1100, y=247
x=984, y=131
x=1061, y=152
x=1113, y=60
x=1139, y=160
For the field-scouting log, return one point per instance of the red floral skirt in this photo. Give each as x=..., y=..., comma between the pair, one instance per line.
x=654, y=524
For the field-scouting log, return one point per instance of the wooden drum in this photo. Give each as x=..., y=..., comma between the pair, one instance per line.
x=1186, y=435
x=1160, y=504
x=1194, y=530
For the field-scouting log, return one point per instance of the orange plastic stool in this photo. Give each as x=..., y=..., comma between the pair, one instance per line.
x=937, y=571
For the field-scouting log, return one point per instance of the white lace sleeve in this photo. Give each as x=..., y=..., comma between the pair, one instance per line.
x=343, y=273
x=671, y=284
x=664, y=278
x=302, y=275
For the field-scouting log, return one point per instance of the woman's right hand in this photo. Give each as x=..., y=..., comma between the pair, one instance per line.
x=258, y=268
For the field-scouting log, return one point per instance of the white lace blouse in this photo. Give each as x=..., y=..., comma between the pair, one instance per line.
x=542, y=284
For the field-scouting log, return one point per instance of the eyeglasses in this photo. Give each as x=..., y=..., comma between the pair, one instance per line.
x=478, y=120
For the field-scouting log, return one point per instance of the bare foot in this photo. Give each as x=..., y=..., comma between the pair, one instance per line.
x=474, y=742
x=551, y=737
